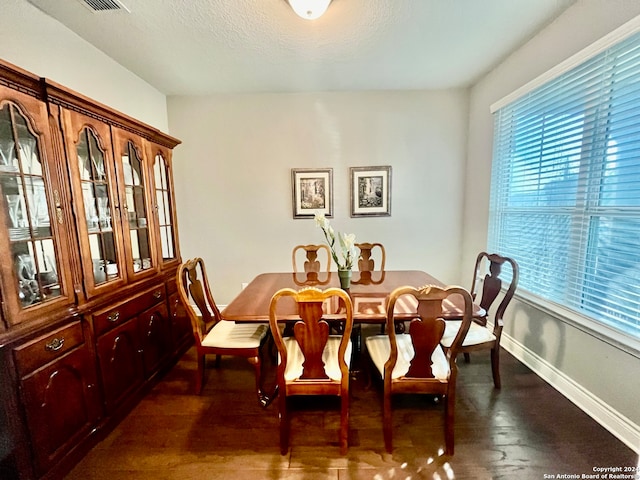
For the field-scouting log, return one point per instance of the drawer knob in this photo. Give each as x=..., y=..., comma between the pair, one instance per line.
x=54, y=345
x=157, y=294
x=114, y=317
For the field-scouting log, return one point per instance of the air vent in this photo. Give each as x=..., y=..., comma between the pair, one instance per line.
x=104, y=5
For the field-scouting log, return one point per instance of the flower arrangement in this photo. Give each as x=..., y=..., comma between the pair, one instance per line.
x=347, y=253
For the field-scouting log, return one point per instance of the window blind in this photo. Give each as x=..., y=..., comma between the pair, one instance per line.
x=565, y=187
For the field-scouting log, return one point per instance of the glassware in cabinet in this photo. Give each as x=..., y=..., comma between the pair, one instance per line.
x=30, y=211
x=164, y=205
x=133, y=163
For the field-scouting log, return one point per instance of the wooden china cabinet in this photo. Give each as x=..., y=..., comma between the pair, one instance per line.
x=88, y=254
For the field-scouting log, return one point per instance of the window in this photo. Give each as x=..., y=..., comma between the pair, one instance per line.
x=565, y=193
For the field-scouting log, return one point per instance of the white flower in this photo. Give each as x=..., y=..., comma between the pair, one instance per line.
x=320, y=219
x=347, y=243
x=349, y=239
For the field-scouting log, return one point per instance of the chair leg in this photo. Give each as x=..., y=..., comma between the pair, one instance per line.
x=467, y=357
x=257, y=368
x=344, y=424
x=200, y=373
x=283, y=414
x=367, y=372
x=449, y=420
x=495, y=366
x=387, y=422
x=271, y=348
x=356, y=351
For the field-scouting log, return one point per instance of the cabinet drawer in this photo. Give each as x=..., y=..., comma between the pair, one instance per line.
x=36, y=353
x=107, y=319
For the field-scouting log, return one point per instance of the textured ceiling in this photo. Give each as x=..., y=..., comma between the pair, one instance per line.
x=194, y=47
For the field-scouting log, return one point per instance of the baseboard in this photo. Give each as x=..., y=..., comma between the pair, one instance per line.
x=620, y=426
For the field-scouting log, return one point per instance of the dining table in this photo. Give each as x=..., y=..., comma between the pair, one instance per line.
x=368, y=291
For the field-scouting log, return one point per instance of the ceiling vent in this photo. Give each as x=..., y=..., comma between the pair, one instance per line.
x=104, y=5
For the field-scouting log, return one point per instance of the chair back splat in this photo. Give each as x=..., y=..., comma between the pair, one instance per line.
x=193, y=280
x=317, y=258
x=368, y=257
x=369, y=253
x=311, y=361
x=212, y=334
x=415, y=362
x=492, y=282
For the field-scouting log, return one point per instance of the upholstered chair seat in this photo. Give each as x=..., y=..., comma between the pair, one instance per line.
x=227, y=334
x=476, y=335
x=379, y=349
x=295, y=358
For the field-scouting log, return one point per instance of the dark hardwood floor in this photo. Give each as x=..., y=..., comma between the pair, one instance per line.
x=526, y=430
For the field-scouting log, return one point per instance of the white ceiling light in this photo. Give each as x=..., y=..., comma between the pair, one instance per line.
x=309, y=9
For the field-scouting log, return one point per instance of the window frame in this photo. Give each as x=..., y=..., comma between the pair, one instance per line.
x=592, y=211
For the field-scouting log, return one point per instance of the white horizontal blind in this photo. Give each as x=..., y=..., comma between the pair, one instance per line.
x=565, y=195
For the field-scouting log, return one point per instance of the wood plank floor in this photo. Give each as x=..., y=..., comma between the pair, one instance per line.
x=526, y=430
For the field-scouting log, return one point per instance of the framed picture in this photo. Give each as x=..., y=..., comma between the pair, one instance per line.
x=370, y=191
x=312, y=192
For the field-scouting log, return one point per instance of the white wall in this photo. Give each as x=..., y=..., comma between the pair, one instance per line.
x=43, y=46
x=233, y=176
x=582, y=365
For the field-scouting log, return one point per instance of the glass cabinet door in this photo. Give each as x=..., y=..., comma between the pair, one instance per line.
x=98, y=206
x=93, y=183
x=27, y=193
x=164, y=205
x=134, y=197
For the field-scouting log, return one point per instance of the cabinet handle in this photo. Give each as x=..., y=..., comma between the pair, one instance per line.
x=56, y=197
x=152, y=320
x=54, y=345
x=114, y=317
x=157, y=294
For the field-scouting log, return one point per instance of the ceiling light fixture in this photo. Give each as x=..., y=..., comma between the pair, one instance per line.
x=309, y=9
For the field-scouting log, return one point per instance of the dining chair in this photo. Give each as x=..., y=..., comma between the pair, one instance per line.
x=311, y=361
x=212, y=334
x=483, y=335
x=368, y=256
x=415, y=362
x=314, y=261
x=369, y=253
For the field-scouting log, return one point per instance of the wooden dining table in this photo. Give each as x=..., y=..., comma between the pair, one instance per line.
x=368, y=291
